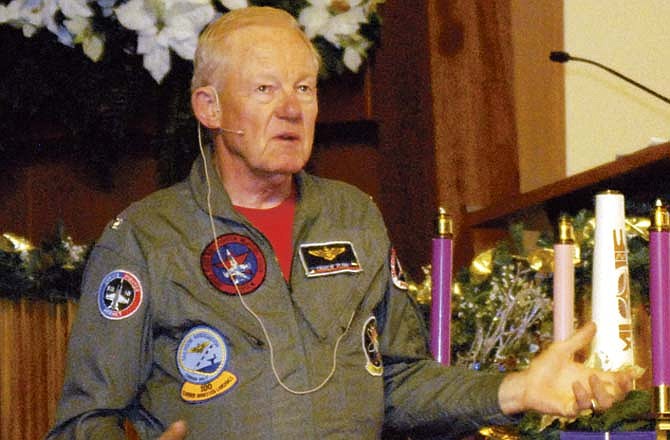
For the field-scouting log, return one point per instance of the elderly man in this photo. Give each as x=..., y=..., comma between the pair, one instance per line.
x=256, y=301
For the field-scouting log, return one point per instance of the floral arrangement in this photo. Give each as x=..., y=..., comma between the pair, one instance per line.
x=51, y=272
x=343, y=30
x=502, y=316
x=501, y=303
x=502, y=321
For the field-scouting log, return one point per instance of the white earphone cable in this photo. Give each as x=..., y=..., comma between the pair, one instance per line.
x=248, y=309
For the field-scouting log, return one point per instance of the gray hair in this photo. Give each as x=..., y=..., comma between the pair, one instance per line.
x=213, y=52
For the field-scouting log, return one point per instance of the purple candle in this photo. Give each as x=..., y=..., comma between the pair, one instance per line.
x=659, y=291
x=441, y=275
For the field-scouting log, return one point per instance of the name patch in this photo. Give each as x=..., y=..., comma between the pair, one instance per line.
x=201, y=358
x=119, y=295
x=319, y=259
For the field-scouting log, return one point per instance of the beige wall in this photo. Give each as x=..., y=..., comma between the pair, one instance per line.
x=604, y=115
x=574, y=117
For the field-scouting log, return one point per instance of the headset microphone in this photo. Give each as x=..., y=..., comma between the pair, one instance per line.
x=240, y=132
x=218, y=111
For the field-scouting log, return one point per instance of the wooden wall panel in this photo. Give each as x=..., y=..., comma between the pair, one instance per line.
x=539, y=92
x=355, y=164
x=40, y=194
x=403, y=107
x=475, y=134
x=33, y=343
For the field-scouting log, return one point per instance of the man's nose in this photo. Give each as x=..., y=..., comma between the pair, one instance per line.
x=289, y=108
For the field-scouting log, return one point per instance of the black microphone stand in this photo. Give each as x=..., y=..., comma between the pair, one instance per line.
x=562, y=57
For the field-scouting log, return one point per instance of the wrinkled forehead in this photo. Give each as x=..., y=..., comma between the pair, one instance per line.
x=269, y=47
x=278, y=39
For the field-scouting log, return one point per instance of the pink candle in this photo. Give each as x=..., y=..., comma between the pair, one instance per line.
x=441, y=275
x=659, y=293
x=564, y=281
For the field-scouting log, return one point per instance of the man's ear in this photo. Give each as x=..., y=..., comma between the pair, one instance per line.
x=205, y=103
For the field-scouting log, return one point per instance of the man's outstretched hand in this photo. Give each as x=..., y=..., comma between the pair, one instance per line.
x=555, y=384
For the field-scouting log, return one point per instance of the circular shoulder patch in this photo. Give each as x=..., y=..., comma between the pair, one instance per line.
x=370, y=341
x=202, y=355
x=119, y=295
x=231, y=260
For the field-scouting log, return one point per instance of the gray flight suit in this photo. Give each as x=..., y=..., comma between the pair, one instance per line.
x=162, y=334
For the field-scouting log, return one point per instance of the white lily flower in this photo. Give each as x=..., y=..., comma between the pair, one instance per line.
x=48, y=13
x=78, y=23
x=183, y=22
x=94, y=46
x=319, y=19
x=75, y=8
x=314, y=18
x=156, y=56
x=346, y=23
x=92, y=43
x=352, y=59
x=164, y=25
x=22, y=14
x=355, y=51
x=137, y=15
x=234, y=4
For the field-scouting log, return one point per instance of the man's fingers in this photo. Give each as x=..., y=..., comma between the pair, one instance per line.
x=581, y=338
x=176, y=431
x=603, y=396
x=582, y=396
x=626, y=378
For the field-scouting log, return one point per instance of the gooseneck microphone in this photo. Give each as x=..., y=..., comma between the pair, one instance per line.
x=564, y=57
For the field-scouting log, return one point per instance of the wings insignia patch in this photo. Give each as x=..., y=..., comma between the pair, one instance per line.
x=333, y=257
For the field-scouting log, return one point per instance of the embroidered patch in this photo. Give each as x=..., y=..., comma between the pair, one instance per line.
x=370, y=340
x=319, y=259
x=116, y=224
x=397, y=274
x=119, y=295
x=231, y=260
x=201, y=358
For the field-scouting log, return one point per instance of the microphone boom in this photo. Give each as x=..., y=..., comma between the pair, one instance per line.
x=564, y=57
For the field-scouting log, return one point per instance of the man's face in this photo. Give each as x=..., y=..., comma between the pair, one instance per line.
x=269, y=93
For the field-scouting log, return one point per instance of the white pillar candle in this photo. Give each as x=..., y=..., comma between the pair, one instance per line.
x=613, y=344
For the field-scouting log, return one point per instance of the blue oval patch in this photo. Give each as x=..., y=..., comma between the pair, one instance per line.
x=202, y=355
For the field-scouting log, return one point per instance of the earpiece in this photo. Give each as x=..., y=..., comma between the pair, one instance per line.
x=216, y=97
x=218, y=112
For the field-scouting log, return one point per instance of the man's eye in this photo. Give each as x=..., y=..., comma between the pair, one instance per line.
x=304, y=88
x=264, y=88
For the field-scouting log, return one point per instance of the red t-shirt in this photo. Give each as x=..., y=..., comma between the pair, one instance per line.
x=277, y=226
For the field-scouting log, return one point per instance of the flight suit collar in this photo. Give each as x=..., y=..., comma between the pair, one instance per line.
x=220, y=201
x=204, y=177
